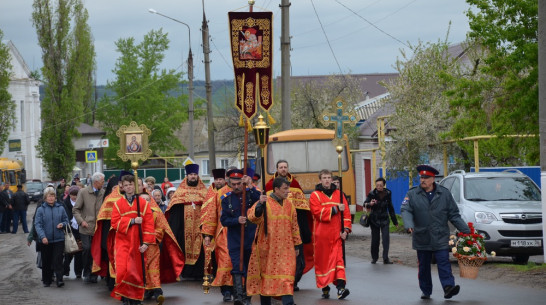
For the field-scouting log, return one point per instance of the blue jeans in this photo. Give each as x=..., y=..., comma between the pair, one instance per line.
x=16, y=216
x=444, y=269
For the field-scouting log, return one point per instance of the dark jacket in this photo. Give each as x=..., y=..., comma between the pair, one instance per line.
x=380, y=211
x=5, y=200
x=47, y=219
x=68, y=209
x=429, y=219
x=231, y=210
x=20, y=201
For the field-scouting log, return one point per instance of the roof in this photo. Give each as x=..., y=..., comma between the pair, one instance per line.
x=86, y=129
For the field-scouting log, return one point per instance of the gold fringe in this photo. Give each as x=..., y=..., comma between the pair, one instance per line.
x=270, y=119
x=249, y=125
x=241, y=121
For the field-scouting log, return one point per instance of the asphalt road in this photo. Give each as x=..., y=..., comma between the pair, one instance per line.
x=369, y=284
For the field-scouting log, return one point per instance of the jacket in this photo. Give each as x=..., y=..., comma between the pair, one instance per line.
x=47, y=219
x=381, y=210
x=429, y=220
x=87, y=208
x=20, y=201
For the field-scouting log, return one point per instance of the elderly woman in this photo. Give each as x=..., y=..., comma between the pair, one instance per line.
x=50, y=221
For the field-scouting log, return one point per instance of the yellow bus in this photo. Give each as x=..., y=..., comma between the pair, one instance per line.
x=308, y=151
x=12, y=171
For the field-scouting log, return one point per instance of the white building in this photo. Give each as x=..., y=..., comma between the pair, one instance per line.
x=23, y=139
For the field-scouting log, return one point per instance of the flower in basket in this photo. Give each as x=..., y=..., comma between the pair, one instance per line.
x=470, y=244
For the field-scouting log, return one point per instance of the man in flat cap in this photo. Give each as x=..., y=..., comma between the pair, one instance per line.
x=183, y=214
x=426, y=210
x=232, y=219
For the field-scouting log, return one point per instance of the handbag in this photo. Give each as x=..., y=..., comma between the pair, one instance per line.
x=365, y=220
x=70, y=243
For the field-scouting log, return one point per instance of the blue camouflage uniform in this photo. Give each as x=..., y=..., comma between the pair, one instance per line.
x=231, y=210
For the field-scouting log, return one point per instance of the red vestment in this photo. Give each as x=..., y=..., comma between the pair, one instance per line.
x=301, y=203
x=166, y=265
x=272, y=265
x=183, y=215
x=127, y=257
x=100, y=264
x=329, y=265
x=210, y=225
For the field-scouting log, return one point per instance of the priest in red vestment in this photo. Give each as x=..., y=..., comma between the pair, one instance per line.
x=272, y=265
x=329, y=215
x=183, y=215
x=128, y=249
x=215, y=235
x=304, y=260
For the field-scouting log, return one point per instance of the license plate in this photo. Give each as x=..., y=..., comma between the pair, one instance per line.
x=526, y=243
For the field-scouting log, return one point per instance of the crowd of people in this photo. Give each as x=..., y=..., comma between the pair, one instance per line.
x=247, y=240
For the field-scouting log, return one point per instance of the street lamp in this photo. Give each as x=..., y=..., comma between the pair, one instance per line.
x=190, y=79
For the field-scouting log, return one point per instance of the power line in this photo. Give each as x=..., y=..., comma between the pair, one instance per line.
x=324, y=32
x=372, y=23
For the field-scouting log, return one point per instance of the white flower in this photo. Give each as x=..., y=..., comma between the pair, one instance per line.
x=451, y=242
x=493, y=253
x=466, y=249
x=452, y=237
x=454, y=250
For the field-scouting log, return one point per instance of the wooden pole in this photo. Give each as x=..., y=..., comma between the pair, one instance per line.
x=134, y=165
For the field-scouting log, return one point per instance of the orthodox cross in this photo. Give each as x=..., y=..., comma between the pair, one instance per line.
x=339, y=118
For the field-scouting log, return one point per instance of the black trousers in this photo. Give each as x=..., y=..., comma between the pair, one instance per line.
x=87, y=259
x=52, y=261
x=300, y=265
x=375, y=241
x=78, y=263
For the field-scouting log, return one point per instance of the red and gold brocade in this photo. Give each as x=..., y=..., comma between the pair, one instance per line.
x=210, y=225
x=192, y=198
x=163, y=266
x=272, y=265
x=100, y=266
x=329, y=265
x=128, y=265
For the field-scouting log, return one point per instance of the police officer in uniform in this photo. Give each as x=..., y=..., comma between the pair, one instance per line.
x=426, y=210
x=232, y=219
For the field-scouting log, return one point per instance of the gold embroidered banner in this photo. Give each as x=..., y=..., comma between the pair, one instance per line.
x=251, y=50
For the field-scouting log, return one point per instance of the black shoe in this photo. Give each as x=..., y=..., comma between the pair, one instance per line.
x=296, y=288
x=148, y=294
x=60, y=284
x=78, y=276
x=227, y=296
x=450, y=291
x=47, y=284
x=342, y=293
x=374, y=261
x=93, y=278
x=387, y=262
x=67, y=273
x=326, y=292
x=425, y=296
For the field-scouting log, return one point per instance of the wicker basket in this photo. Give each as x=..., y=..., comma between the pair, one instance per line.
x=469, y=265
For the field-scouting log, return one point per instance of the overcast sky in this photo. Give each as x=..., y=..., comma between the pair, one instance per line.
x=358, y=46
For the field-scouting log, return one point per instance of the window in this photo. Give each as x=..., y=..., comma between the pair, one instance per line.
x=204, y=167
x=305, y=156
x=456, y=190
x=224, y=163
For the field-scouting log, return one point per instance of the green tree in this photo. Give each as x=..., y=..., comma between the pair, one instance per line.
x=68, y=61
x=310, y=99
x=144, y=94
x=421, y=108
x=500, y=95
x=7, y=115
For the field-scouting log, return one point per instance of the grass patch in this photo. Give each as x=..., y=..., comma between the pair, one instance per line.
x=524, y=268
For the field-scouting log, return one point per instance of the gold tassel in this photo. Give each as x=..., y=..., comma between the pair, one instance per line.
x=270, y=119
x=249, y=126
x=241, y=121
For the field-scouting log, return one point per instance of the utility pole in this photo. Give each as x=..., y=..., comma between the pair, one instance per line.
x=208, y=86
x=190, y=102
x=286, y=118
x=542, y=106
